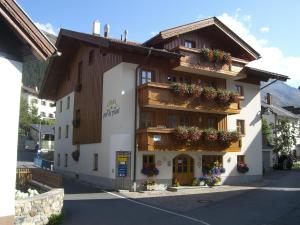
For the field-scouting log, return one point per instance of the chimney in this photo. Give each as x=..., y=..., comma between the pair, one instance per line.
x=96, y=28
x=125, y=35
x=269, y=99
x=106, y=30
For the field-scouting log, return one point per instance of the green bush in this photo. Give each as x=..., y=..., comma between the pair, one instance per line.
x=56, y=219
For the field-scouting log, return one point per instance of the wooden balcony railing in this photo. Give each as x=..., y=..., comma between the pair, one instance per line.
x=192, y=62
x=156, y=139
x=159, y=95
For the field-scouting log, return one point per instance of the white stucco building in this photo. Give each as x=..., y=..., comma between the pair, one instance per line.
x=117, y=109
x=20, y=41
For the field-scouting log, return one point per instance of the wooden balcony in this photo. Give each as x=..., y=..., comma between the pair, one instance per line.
x=192, y=63
x=158, y=95
x=162, y=139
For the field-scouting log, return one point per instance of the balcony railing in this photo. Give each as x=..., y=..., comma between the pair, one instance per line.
x=192, y=62
x=155, y=139
x=159, y=95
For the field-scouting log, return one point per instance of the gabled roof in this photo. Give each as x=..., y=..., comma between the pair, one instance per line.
x=22, y=25
x=213, y=21
x=280, y=111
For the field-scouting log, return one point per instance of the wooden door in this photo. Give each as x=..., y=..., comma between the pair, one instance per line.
x=183, y=169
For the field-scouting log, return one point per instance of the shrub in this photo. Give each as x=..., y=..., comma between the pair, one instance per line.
x=209, y=93
x=190, y=89
x=204, y=52
x=223, y=96
x=175, y=87
x=210, y=135
x=56, y=219
x=150, y=171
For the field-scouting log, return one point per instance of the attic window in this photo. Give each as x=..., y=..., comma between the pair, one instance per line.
x=91, y=57
x=189, y=44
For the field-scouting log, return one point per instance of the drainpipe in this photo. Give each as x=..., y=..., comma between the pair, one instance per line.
x=135, y=119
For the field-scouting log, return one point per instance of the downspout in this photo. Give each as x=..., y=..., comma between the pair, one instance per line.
x=135, y=120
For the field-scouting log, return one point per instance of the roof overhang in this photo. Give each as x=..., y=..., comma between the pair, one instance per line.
x=264, y=75
x=213, y=21
x=22, y=25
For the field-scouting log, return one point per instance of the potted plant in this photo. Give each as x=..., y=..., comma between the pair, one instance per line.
x=210, y=135
x=223, y=96
x=149, y=185
x=183, y=89
x=197, y=91
x=195, y=182
x=234, y=97
x=216, y=55
x=175, y=182
x=195, y=134
x=224, y=137
x=181, y=133
x=242, y=167
x=150, y=171
x=175, y=87
x=75, y=155
x=209, y=93
x=227, y=59
x=204, y=53
x=235, y=136
x=211, y=55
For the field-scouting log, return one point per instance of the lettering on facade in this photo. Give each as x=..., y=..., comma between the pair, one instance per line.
x=112, y=109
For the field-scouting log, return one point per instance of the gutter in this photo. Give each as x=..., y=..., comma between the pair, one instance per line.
x=135, y=120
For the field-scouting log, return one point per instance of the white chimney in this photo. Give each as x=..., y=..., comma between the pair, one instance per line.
x=106, y=30
x=96, y=28
x=125, y=35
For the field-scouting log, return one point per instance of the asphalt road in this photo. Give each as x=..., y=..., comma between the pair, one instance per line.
x=277, y=203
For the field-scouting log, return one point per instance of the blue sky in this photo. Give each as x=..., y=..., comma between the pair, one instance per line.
x=270, y=26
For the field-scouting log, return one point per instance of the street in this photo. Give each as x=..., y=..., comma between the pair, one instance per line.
x=276, y=203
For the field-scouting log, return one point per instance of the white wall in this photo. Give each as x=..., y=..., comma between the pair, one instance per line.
x=10, y=78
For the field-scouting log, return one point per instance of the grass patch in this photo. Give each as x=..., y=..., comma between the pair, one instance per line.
x=56, y=219
x=296, y=165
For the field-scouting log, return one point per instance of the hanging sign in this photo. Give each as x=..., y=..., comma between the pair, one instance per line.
x=112, y=109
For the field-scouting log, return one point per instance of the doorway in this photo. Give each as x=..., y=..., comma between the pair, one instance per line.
x=183, y=169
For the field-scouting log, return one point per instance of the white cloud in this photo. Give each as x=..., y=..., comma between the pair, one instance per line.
x=264, y=29
x=48, y=27
x=273, y=58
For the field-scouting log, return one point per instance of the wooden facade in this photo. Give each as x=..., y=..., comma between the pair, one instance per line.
x=167, y=142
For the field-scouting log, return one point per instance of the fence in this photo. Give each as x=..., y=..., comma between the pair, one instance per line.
x=44, y=164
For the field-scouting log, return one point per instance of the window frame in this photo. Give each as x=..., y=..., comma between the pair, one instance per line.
x=239, y=89
x=58, y=160
x=95, y=162
x=189, y=44
x=67, y=131
x=91, y=57
x=146, y=161
x=240, y=159
x=241, y=127
x=59, y=133
x=147, y=78
x=68, y=102
x=66, y=160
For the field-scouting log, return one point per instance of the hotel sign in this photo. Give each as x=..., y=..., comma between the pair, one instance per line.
x=112, y=109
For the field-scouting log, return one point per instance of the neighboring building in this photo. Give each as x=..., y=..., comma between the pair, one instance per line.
x=116, y=107
x=43, y=134
x=46, y=108
x=273, y=113
x=20, y=40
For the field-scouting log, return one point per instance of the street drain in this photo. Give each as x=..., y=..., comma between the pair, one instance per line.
x=204, y=201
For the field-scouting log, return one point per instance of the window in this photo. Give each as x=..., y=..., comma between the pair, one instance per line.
x=172, y=78
x=95, y=162
x=212, y=123
x=43, y=114
x=68, y=102
x=146, y=120
x=58, y=159
x=148, y=161
x=240, y=126
x=60, y=107
x=184, y=120
x=239, y=89
x=59, y=132
x=172, y=121
x=91, y=57
x=43, y=102
x=241, y=159
x=147, y=76
x=66, y=160
x=185, y=80
x=51, y=115
x=211, y=84
x=67, y=131
x=189, y=44
x=79, y=73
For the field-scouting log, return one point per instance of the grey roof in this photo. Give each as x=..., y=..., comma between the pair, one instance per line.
x=280, y=111
x=45, y=129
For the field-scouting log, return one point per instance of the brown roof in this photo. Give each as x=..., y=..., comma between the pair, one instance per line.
x=30, y=90
x=264, y=74
x=12, y=13
x=213, y=21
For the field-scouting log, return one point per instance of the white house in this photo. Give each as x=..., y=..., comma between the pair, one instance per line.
x=20, y=40
x=273, y=113
x=46, y=109
x=119, y=104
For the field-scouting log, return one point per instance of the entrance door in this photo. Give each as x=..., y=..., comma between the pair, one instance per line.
x=183, y=169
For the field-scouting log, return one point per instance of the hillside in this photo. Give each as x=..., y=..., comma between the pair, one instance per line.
x=283, y=94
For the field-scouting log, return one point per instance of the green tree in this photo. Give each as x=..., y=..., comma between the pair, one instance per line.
x=285, y=137
x=267, y=132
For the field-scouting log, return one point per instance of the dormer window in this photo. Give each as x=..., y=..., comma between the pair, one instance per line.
x=189, y=44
